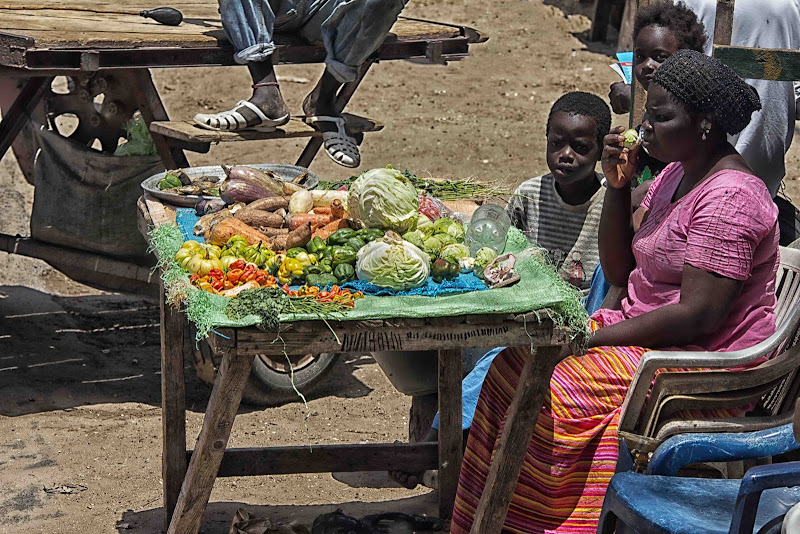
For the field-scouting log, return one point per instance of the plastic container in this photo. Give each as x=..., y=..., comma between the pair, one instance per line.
x=488, y=228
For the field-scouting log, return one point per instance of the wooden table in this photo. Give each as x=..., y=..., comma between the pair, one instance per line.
x=188, y=476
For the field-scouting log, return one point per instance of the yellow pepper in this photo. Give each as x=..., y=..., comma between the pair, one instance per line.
x=289, y=270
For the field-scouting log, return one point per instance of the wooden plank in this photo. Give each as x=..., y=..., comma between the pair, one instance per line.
x=251, y=341
x=761, y=63
x=723, y=24
x=534, y=382
x=327, y=459
x=18, y=115
x=451, y=437
x=188, y=131
x=159, y=212
x=173, y=405
x=625, y=40
x=217, y=423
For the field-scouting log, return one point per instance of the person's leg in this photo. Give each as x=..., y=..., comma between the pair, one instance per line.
x=249, y=27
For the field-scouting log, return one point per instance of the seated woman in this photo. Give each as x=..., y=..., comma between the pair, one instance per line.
x=700, y=274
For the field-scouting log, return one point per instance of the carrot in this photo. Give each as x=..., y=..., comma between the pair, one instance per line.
x=299, y=219
x=322, y=210
x=227, y=228
x=328, y=229
x=337, y=209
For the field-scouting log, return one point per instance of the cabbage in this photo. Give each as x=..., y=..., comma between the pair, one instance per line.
x=393, y=263
x=424, y=225
x=442, y=224
x=445, y=239
x=483, y=257
x=454, y=253
x=433, y=245
x=449, y=227
x=384, y=198
x=416, y=238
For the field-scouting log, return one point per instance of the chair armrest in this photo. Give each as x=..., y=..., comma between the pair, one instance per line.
x=754, y=482
x=652, y=361
x=680, y=451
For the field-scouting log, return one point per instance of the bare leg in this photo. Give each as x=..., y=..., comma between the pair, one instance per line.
x=267, y=98
x=322, y=100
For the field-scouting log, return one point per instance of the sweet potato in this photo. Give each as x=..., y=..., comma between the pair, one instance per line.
x=273, y=232
x=329, y=228
x=257, y=218
x=227, y=228
x=337, y=209
x=299, y=219
x=269, y=204
x=322, y=210
x=298, y=237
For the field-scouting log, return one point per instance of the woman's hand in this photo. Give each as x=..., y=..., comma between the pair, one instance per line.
x=619, y=163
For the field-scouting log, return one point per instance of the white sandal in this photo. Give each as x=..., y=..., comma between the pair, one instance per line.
x=233, y=121
x=339, y=146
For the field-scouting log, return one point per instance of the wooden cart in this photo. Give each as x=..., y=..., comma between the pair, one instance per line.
x=108, y=50
x=189, y=475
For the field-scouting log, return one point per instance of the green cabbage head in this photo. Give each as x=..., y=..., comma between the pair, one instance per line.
x=384, y=198
x=393, y=263
x=449, y=227
x=424, y=225
x=454, y=253
x=415, y=237
x=483, y=257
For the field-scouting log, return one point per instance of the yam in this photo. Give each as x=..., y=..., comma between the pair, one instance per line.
x=259, y=218
x=269, y=204
x=324, y=198
x=299, y=219
x=227, y=228
x=299, y=237
x=273, y=232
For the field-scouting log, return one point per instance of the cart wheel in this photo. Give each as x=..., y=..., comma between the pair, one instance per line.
x=270, y=381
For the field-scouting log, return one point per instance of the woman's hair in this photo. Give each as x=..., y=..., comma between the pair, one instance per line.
x=677, y=18
x=706, y=85
x=585, y=105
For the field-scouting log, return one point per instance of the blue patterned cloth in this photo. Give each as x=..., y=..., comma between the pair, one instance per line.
x=186, y=218
x=460, y=284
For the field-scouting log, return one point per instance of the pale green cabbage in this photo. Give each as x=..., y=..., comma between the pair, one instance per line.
x=433, y=245
x=392, y=262
x=424, y=225
x=384, y=198
x=449, y=227
x=415, y=237
x=454, y=253
x=483, y=257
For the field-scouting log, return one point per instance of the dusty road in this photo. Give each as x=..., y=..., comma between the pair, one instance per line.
x=79, y=369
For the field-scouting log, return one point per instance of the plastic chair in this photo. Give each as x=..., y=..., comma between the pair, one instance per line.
x=649, y=414
x=661, y=503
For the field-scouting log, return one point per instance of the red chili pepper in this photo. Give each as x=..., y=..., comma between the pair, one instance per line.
x=194, y=278
x=216, y=273
x=238, y=264
x=250, y=268
x=234, y=275
x=217, y=283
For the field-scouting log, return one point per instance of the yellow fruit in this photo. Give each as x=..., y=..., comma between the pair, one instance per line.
x=631, y=138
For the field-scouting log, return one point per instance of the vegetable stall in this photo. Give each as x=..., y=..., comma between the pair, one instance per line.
x=374, y=263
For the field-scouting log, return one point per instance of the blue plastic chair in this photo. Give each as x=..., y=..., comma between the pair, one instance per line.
x=659, y=502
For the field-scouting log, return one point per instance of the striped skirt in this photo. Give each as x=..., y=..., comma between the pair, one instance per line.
x=573, y=452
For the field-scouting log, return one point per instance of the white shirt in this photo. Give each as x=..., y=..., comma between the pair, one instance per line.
x=762, y=24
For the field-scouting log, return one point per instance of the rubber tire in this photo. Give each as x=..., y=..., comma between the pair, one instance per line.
x=265, y=386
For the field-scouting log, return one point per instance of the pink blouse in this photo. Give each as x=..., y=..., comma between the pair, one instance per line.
x=727, y=225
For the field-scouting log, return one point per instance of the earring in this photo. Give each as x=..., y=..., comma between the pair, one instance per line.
x=706, y=126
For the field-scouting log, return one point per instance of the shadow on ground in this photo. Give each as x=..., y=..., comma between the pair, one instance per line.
x=58, y=353
x=218, y=516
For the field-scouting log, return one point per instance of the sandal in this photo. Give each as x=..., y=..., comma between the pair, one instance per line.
x=233, y=121
x=339, y=146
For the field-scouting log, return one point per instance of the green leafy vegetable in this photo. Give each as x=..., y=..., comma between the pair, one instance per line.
x=392, y=262
x=454, y=253
x=384, y=198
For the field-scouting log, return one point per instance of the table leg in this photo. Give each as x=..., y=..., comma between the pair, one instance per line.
x=342, y=98
x=207, y=457
x=534, y=382
x=21, y=110
x=451, y=436
x=173, y=404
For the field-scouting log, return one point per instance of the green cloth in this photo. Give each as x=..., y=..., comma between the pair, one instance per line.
x=539, y=287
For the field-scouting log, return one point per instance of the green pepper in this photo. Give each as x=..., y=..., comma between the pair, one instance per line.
x=316, y=245
x=344, y=272
x=327, y=265
x=274, y=263
x=293, y=252
x=370, y=234
x=355, y=243
x=340, y=237
x=343, y=255
x=321, y=280
x=444, y=270
x=313, y=269
x=169, y=181
x=330, y=251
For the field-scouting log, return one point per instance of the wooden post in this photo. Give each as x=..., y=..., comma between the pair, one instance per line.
x=173, y=405
x=638, y=95
x=451, y=435
x=217, y=424
x=19, y=113
x=723, y=24
x=534, y=382
x=342, y=98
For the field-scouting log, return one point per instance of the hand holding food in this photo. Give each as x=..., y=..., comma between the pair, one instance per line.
x=618, y=161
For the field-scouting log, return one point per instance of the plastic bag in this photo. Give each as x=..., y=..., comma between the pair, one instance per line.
x=139, y=141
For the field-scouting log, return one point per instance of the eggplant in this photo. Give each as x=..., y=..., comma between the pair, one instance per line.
x=265, y=180
x=234, y=190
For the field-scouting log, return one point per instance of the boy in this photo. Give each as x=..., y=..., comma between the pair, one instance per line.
x=560, y=211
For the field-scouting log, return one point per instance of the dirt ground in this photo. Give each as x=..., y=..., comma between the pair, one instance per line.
x=79, y=368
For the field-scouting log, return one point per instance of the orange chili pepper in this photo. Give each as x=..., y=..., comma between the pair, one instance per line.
x=334, y=289
x=194, y=278
x=238, y=264
x=234, y=275
x=293, y=293
x=227, y=284
x=345, y=292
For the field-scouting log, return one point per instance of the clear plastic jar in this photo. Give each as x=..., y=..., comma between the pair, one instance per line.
x=487, y=228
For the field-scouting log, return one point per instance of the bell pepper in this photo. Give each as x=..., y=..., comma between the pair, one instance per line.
x=291, y=269
x=294, y=251
x=169, y=181
x=444, y=270
x=369, y=234
x=339, y=237
x=313, y=269
x=320, y=280
x=343, y=255
x=355, y=243
x=344, y=272
x=274, y=263
x=327, y=265
x=316, y=246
